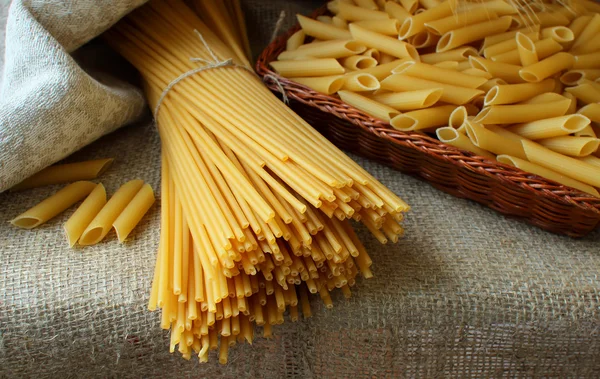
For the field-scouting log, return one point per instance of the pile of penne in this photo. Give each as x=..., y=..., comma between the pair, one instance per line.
x=95, y=216
x=513, y=81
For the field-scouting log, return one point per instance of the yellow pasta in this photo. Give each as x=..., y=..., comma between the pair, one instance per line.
x=504, y=71
x=456, y=21
x=65, y=173
x=381, y=71
x=358, y=62
x=560, y=34
x=506, y=36
x=586, y=93
x=568, y=166
x=101, y=224
x=551, y=127
x=499, y=7
x=372, y=53
x=410, y=5
x=547, y=67
x=355, y=13
x=591, y=30
x=458, y=55
x=591, y=111
x=416, y=23
x=410, y=100
x=546, y=173
x=339, y=22
x=325, y=49
x=309, y=67
x=514, y=93
x=296, y=40
x=397, y=11
x=434, y=73
x=546, y=19
x=571, y=145
x=471, y=33
x=368, y=4
x=508, y=45
x=369, y=106
x=587, y=61
x=520, y=113
x=452, y=137
x=324, y=84
x=423, y=118
x=133, y=212
x=526, y=48
x=54, y=205
x=450, y=65
x=423, y=39
x=543, y=49
x=491, y=141
x=451, y=94
x=387, y=27
x=361, y=83
x=322, y=30
x=383, y=43
x=84, y=214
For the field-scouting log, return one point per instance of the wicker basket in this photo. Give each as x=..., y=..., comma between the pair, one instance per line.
x=508, y=190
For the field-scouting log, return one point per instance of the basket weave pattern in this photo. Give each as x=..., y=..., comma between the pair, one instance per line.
x=506, y=189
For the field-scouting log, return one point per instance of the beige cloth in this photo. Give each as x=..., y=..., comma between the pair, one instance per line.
x=467, y=293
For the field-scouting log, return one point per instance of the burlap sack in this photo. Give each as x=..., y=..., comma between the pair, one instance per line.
x=467, y=293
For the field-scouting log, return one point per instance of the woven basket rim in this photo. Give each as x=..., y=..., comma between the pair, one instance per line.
x=506, y=174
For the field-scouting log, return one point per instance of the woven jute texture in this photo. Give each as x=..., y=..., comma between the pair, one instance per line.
x=467, y=292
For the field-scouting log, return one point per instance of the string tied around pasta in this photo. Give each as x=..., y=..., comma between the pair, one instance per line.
x=272, y=77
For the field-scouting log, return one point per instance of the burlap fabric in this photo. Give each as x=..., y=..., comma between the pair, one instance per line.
x=467, y=293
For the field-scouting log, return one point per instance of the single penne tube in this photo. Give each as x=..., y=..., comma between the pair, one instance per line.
x=133, y=212
x=451, y=94
x=574, y=77
x=560, y=34
x=510, y=35
x=578, y=24
x=543, y=49
x=565, y=165
x=339, y=22
x=547, y=67
x=324, y=84
x=471, y=33
x=450, y=65
x=452, y=137
x=358, y=62
x=416, y=23
x=309, y=67
x=547, y=19
x=491, y=84
x=458, y=55
x=423, y=39
x=423, y=118
x=322, y=30
x=458, y=117
x=548, y=97
x=380, y=72
x=367, y=105
x=493, y=142
x=573, y=108
x=571, y=145
x=434, y=73
x=551, y=127
x=463, y=66
x=591, y=159
x=84, y=214
x=373, y=53
x=586, y=93
x=526, y=49
x=428, y=4
x=354, y=13
x=368, y=4
x=388, y=27
x=384, y=44
x=65, y=173
x=587, y=61
x=508, y=45
x=333, y=6
x=457, y=21
x=54, y=205
x=590, y=31
x=361, y=83
x=546, y=173
x=500, y=7
x=591, y=111
x=397, y=11
x=588, y=131
x=521, y=113
x=410, y=100
x=504, y=71
x=478, y=73
x=325, y=49
x=410, y=6
x=325, y=19
x=296, y=40
x=101, y=224
x=385, y=58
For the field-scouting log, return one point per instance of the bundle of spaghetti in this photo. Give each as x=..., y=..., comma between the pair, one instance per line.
x=255, y=203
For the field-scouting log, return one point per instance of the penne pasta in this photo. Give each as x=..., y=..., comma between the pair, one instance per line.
x=560, y=34
x=309, y=67
x=369, y=106
x=358, y=62
x=452, y=137
x=388, y=27
x=471, y=33
x=587, y=61
x=296, y=40
x=416, y=23
x=368, y=4
x=410, y=100
x=361, y=83
x=586, y=93
x=457, y=21
x=543, y=49
x=323, y=84
x=546, y=173
x=451, y=94
x=510, y=35
x=571, y=145
x=568, y=166
x=322, y=30
x=326, y=49
x=133, y=212
x=423, y=39
x=410, y=5
x=384, y=44
x=397, y=11
x=587, y=131
x=551, y=127
x=591, y=111
x=526, y=49
x=506, y=46
x=514, y=93
x=500, y=7
x=101, y=224
x=491, y=83
x=459, y=55
x=450, y=65
x=356, y=13
x=423, y=118
x=547, y=67
x=504, y=71
x=65, y=173
x=373, y=53
x=84, y=214
x=521, y=113
x=434, y=73
x=591, y=30
x=339, y=22
x=54, y=205
x=546, y=19
x=380, y=72
x=493, y=142
x=324, y=19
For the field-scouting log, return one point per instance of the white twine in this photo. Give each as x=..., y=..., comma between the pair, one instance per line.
x=274, y=78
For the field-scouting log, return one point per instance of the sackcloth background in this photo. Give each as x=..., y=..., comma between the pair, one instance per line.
x=467, y=293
